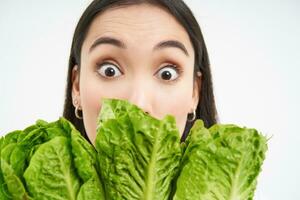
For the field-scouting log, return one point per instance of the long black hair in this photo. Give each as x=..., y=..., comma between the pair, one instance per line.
x=206, y=108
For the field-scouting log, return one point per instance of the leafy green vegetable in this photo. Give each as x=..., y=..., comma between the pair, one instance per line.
x=48, y=161
x=138, y=154
x=13, y=182
x=136, y=157
x=51, y=170
x=140, y=157
x=11, y=185
x=85, y=161
x=221, y=163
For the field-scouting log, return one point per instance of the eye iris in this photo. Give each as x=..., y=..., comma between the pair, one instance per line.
x=109, y=72
x=166, y=75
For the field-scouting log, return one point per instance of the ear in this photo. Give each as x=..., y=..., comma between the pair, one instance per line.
x=75, y=84
x=196, y=90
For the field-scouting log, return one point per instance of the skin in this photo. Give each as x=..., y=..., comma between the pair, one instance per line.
x=138, y=69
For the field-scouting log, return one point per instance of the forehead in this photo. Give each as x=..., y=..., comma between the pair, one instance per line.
x=137, y=23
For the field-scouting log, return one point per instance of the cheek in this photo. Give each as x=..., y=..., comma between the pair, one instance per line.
x=92, y=90
x=178, y=104
x=180, y=112
x=90, y=96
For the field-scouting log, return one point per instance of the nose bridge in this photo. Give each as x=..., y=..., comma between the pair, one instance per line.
x=140, y=94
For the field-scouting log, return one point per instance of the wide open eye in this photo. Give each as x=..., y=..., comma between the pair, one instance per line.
x=168, y=73
x=109, y=70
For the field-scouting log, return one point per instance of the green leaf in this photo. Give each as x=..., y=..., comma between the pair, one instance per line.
x=91, y=189
x=13, y=183
x=48, y=152
x=138, y=154
x=4, y=193
x=221, y=163
x=85, y=158
x=7, y=145
x=11, y=137
x=51, y=174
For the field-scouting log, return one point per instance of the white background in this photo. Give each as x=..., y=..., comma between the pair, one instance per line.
x=255, y=59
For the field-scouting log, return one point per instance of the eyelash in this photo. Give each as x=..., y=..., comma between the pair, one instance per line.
x=99, y=65
x=178, y=69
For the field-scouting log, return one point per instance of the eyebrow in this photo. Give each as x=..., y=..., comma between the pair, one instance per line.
x=173, y=44
x=120, y=44
x=107, y=40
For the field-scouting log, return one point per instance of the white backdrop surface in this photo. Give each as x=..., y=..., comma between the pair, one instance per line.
x=255, y=59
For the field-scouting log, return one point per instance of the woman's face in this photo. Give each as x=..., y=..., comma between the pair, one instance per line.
x=139, y=53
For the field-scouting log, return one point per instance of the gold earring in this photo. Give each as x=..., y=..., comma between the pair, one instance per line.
x=77, y=112
x=194, y=116
x=199, y=74
x=77, y=109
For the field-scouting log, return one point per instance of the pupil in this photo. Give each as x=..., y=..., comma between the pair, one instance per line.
x=110, y=72
x=166, y=75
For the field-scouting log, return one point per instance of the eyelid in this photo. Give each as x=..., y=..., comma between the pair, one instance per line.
x=175, y=67
x=178, y=69
x=105, y=62
x=100, y=65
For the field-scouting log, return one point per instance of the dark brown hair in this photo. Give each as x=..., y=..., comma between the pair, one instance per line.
x=206, y=109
